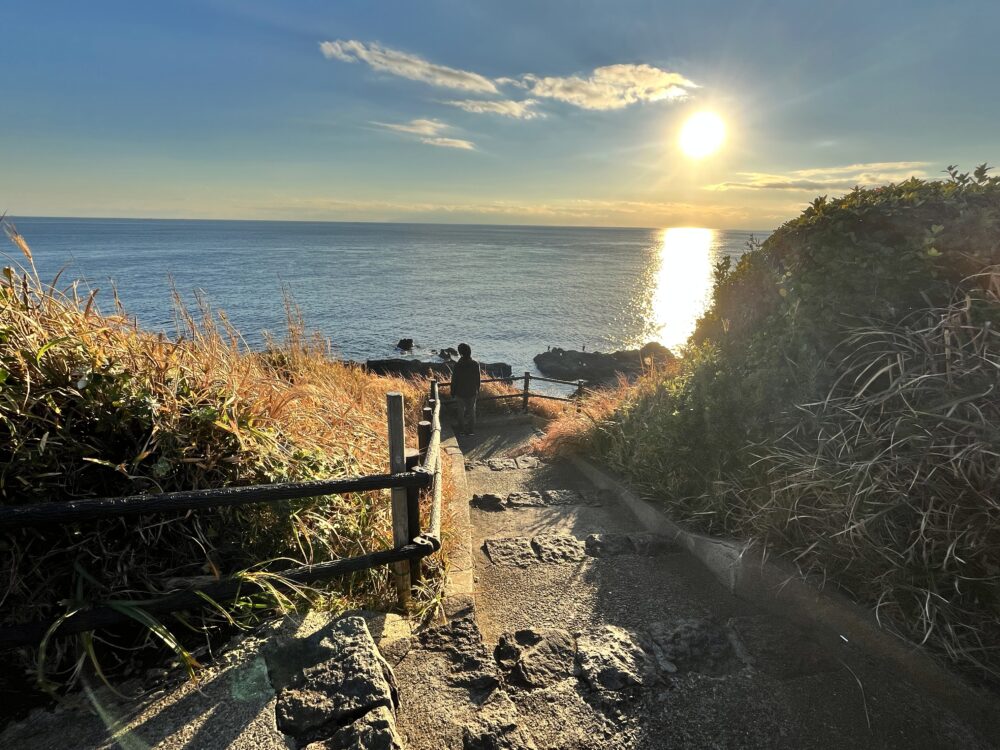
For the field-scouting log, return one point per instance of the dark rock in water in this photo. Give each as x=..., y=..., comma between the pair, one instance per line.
x=599, y=368
x=416, y=368
x=450, y=351
x=405, y=345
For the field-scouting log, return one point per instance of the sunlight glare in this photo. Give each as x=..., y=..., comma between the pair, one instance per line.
x=702, y=135
x=683, y=283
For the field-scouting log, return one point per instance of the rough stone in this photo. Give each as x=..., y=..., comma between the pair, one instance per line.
x=562, y=497
x=355, y=681
x=461, y=641
x=498, y=728
x=502, y=464
x=488, y=502
x=610, y=658
x=516, y=551
x=701, y=645
x=524, y=500
x=558, y=548
x=535, y=658
x=376, y=730
x=527, y=462
x=606, y=545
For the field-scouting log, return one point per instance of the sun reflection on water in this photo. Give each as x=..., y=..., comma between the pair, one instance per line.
x=682, y=284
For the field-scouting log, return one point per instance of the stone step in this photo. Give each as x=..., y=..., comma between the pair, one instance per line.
x=541, y=499
x=564, y=548
x=506, y=464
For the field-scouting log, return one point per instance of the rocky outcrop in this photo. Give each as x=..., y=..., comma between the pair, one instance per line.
x=600, y=368
x=405, y=345
x=416, y=368
x=348, y=700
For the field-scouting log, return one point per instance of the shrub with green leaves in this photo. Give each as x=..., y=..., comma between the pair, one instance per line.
x=839, y=401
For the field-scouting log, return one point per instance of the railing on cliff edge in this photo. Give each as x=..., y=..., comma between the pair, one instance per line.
x=410, y=472
x=526, y=394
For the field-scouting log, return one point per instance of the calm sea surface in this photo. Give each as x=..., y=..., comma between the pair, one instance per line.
x=508, y=291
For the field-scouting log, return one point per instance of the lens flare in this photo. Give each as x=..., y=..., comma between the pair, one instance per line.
x=702, y=135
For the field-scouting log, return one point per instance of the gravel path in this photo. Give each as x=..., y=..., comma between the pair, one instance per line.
x=588, y=632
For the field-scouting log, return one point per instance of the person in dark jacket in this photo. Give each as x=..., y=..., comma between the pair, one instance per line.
x=465, y=389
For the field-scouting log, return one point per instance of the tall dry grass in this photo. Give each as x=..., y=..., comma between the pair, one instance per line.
x=888, y=488
x=92, y=405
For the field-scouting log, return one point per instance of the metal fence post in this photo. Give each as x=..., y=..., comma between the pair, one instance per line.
x=579, y=395
x=527, y=380
x=400, y=515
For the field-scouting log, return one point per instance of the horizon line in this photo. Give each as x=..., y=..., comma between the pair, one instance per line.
x=18, y=217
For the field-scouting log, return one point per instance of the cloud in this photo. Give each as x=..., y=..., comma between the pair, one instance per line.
x=417, y=127
x=405, y=65
x=827, y=178
x=609, y=87
x=450, y=143
x=523, y=110
x=430, y=132
x=613, y=87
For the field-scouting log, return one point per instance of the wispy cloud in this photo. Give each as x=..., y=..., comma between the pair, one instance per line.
x=523, y=110
x=406, y=65
x=450, y=143
x=430, y=132
x=827, y=178
x=613, y=86
x=608, y=87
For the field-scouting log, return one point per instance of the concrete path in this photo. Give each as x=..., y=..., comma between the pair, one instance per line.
x=588, y=632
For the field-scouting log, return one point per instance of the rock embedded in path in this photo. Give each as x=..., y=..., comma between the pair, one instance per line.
x=499, y=727
x=536, y=658
x=608, y=545
x=611, y=658
x=558, y=548
x=354, y=681
x=488, y=502
x=515, y=551
x=562, y=497
x=524, y=500
x=376, y=730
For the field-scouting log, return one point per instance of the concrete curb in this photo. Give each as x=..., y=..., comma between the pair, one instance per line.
x=748, y=574
x=460, y=586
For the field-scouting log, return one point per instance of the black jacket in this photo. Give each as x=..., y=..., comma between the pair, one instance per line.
x=465, y=378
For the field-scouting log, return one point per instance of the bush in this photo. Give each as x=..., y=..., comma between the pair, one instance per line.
x=838, y=402
x=91, y=405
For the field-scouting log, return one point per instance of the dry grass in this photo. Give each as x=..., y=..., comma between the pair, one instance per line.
x=887, y=488
x=91, y=405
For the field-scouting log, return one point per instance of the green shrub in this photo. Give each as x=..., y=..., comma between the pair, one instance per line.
x=839, y=402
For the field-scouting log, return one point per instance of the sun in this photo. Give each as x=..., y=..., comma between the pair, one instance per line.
x=702, y=135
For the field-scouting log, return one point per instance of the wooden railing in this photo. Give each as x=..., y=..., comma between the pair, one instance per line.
x=410, y=472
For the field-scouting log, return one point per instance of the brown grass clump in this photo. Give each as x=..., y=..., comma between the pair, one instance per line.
x=91, y=405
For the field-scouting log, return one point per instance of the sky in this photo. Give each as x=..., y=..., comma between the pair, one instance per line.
x=507, y=112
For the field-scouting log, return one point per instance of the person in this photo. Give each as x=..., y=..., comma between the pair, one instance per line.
x=465, y=389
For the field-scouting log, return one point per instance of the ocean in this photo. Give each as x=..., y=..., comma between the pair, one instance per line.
x=509, y=291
